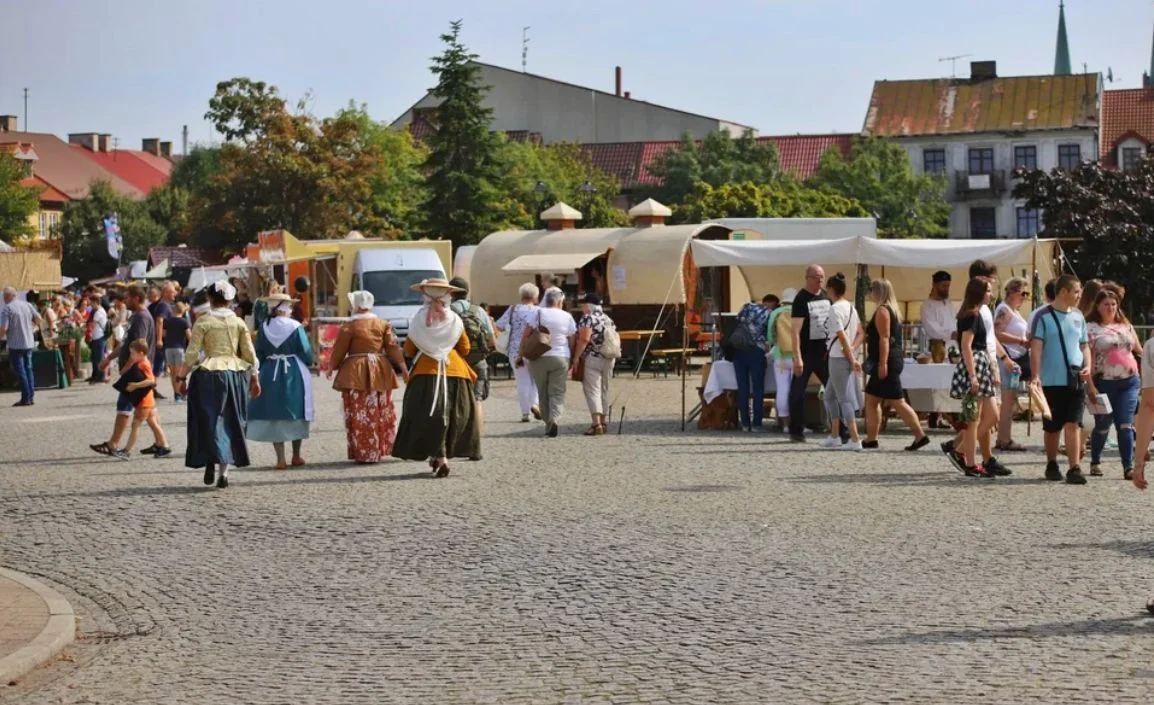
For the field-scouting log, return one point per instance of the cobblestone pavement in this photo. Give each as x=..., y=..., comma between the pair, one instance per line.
x=651, y=567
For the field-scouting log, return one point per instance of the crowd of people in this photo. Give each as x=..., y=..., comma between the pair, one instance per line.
x=246, y=384
x=1075, y=354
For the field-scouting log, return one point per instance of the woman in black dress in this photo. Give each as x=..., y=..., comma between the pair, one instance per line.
x=884, y=363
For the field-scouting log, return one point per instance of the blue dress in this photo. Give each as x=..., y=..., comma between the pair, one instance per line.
x=284, y=408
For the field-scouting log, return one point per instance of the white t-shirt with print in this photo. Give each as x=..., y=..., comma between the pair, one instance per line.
x=842, y=316
x=991, y=339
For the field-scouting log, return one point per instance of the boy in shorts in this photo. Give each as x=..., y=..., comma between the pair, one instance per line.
x=137, y=382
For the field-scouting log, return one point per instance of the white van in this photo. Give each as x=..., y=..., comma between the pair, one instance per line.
x=390, y=275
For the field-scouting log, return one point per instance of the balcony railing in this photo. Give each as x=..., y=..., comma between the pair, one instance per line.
x=973, y=185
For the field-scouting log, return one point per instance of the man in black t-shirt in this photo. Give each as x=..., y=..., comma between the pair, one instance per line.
x=810, y=310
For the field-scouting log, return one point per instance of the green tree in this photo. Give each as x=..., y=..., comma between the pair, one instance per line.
x=17, y=203
x=196, y=169
x=464, y=169
x=168, y=206
x=562, y=170
x=1110, y=213
x=82, y=230
x=784, y=199
x=398, y=182
x=715, y=160
x=282, y=168
x=878, y=175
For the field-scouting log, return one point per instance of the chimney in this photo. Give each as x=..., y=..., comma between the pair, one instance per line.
x=561, y=216
x=649, y=214
x=983, y=70
x=105, y=143
x=166, y=150
x=150, y=145
x=88, y=140
x=627, y=95
x=618, y=75
x=8, y=123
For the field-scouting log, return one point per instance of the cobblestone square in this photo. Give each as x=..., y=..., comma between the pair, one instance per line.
x=650, y=567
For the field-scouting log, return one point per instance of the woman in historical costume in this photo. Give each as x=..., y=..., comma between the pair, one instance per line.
x=284, y=411
x=219, y=358
x=438, y=421
x=367, y=360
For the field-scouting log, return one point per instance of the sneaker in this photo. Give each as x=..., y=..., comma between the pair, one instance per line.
x=149, y=450
x=918, y=444
x=957, y=460
x=852, y=445
x=995, y=468
x=525, y=418
x=947, y=446
x=122, y=454
x=1074, y=476
x=829, y=443
x=162, y=452
x=1128, y=474
x=978, y=471
x=869, y=445
x=536, y=412
x=222, y=481
x=551, y=432
x=796, y=438
x=1053, y=472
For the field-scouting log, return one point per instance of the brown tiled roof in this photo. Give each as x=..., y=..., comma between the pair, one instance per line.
x=948, y=106
x=184, y=257
x=630, y=161
x=1125, y=114
x=48, y=194
x=65, y=168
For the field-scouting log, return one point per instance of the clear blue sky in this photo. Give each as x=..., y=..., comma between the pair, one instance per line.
x=143, y=68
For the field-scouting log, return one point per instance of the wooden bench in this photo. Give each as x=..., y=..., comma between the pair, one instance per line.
x=671, y=359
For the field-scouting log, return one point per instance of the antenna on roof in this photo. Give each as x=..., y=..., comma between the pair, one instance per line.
x=954, y=63
x=25, y=109
x=1110, y=74
x=524, y=48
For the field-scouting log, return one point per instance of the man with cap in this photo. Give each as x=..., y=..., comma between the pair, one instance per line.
x=483, y=340
x=780, y=340
x=939, y=325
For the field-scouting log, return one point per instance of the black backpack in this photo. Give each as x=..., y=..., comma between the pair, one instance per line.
x=476, y=331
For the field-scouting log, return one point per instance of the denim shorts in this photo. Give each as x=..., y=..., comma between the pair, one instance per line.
x=124, y=406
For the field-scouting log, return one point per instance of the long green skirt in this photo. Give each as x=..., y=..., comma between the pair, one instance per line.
x=450, y=431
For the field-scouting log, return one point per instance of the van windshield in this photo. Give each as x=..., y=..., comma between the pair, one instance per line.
x=394, y=287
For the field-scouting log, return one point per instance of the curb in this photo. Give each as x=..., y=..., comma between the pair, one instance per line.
x=60, y=631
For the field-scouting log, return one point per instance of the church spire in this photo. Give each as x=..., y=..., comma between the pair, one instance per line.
x=1062, y=55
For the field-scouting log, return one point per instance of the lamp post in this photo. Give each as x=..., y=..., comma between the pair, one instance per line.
x=540, y=189
x=588, y=189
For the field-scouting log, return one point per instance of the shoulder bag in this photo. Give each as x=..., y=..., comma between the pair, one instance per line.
x=1073, y=374
x=537, y=343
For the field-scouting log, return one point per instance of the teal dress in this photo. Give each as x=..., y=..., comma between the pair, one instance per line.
x=284, y=408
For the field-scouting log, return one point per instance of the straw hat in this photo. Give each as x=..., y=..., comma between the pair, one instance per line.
x=279, y=298
x=435, y=283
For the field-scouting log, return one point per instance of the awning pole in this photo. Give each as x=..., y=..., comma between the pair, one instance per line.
x=1033, y=278
x=684, y=364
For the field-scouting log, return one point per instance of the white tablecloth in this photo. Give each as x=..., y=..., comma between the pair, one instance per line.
x=722, y=378
x=928, y=387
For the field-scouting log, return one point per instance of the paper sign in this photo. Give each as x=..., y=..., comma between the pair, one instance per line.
x=618, y=276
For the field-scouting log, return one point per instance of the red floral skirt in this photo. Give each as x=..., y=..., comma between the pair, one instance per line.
x=371, y=425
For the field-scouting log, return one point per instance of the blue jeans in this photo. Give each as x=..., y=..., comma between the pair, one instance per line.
x=1123, y=396
x=749, y=365
x=21, y=361
x=96, y=348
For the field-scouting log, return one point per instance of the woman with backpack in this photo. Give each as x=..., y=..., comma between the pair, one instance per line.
x=597, y=349
x=514, y=320
x=482, y=342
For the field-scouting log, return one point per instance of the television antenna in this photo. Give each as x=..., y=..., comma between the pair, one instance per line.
x=524, y=48
x=954, y=63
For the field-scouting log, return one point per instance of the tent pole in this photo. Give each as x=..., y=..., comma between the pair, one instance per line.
x=684, y=362
x=1033, y=278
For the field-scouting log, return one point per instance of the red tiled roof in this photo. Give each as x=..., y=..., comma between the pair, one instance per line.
x=64, y=168
x=630, y=161
x=48, y=194
x=949, y=106
x=184, y=257
x=128, y=165
x=1125, y=114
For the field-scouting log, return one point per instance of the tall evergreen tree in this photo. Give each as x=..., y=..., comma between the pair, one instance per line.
x=17, y=203
x=464, y=166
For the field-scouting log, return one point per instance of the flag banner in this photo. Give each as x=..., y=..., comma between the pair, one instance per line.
x=112, y=236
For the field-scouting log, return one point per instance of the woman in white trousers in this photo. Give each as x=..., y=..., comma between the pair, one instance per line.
x=514, y=320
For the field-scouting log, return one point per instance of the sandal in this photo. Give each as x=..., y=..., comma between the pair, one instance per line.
x=442, y=471
x=595, y=430
x=103, y=448
x=1095, y=470
x=297, y=462
x=281, y=466
x=1012, y=446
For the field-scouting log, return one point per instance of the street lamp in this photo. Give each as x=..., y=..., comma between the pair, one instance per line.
x=589, y=190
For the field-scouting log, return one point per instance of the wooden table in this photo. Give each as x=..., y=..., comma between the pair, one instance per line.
x=639, y=339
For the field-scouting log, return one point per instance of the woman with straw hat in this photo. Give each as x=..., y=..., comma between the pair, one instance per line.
x=439, y=420
x=282, y=414
x=367, y=360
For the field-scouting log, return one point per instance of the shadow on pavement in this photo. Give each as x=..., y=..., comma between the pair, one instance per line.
x=1136, y=625
x=943, y=478
x=1134, y=549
